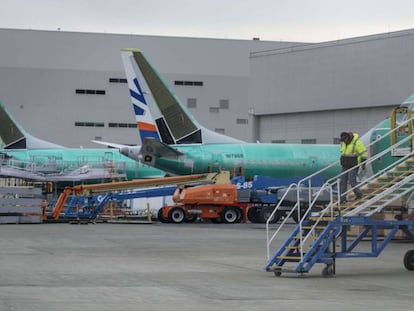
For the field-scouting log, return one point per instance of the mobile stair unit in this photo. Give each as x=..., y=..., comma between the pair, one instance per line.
x=323, y=236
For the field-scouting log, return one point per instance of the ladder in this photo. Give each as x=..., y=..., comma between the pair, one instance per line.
x=322, y=236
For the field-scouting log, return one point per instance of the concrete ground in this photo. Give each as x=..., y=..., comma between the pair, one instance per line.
x=182, y=267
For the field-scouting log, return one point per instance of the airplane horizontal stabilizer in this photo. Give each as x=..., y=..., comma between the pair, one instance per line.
x=152, y=149
x=108, y=144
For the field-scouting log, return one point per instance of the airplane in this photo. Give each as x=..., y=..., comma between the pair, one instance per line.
x=182, y=146
x=179, y=145
x=399, y=119
x=13, y=136
x=145, y=121
x=25, y=156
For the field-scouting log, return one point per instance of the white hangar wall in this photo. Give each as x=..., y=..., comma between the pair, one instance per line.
x=41, y=71
x=277, y=91
x=311, y=93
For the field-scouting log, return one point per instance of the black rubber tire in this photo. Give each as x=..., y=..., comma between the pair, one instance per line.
x=230, y=215
x=278, y=216
x=409, y=260
x=295, y=215
x=191, y=218
x=252, y=215
x=328, y=271
x=216, y=220
x=278, y=273
x=176, y=215
x=264, y=214
x=162, y=218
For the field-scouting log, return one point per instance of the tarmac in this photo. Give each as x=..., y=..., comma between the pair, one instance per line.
x=199, y=266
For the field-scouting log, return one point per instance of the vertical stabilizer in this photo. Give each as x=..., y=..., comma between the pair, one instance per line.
x=140, y=103
x=10, y=131
x=13, y=136
x=174, y=123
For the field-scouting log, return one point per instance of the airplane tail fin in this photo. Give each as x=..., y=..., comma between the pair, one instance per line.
x=175, y=125
x=13, y=136
x=140, y=102
x=11, y=133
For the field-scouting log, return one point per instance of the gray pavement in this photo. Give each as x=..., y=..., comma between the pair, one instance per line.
x=182, y=267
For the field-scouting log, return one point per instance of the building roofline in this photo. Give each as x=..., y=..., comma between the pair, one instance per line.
x=141, y=35
x=326, y=44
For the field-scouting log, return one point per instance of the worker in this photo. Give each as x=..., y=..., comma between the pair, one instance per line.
x=353, y=153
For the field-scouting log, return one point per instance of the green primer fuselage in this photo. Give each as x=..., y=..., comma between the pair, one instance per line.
x=273, y=160
x=63, y=162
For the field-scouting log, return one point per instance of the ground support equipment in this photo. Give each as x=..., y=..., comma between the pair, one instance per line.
x=333, y=242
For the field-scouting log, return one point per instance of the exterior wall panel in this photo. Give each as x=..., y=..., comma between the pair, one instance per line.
x=41, y=70
x=352, y=82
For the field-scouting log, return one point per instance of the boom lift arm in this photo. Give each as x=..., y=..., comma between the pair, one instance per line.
x=218, y=178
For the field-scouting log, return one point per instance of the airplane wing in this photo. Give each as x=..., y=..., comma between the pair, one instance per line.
x=108, y=144
x=82, y=174
x=132, y=152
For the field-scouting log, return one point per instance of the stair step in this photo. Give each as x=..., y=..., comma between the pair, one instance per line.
x=293, y=247
x=399, y=172
x=323, y=218
x=379, y=185
x=311, y=237
x=380, y=192
x=316, y=228
x=291, y=258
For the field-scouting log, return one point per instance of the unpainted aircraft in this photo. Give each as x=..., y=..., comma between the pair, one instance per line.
x=182, y=146
x=399, y=120
x=25, y=156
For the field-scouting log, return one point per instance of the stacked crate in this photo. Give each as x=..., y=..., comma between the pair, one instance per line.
x=20, y=205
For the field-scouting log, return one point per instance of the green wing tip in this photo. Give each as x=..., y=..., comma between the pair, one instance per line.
x=130, y=50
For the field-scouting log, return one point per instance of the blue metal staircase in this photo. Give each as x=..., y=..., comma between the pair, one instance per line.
x=318, y=252
x=333, y=242
x=322, y=234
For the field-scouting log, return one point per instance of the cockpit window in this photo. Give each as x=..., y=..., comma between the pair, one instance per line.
x=401, y=117
x=409, y=103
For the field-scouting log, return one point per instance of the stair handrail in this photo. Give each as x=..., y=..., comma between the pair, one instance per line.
x=335, y=181
x=309, y=177
x=386, y=192
x=371, y=159
x=330, y=184
x=380, y=197
x=328, y=209
x=269, y=219
x=372, y=177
